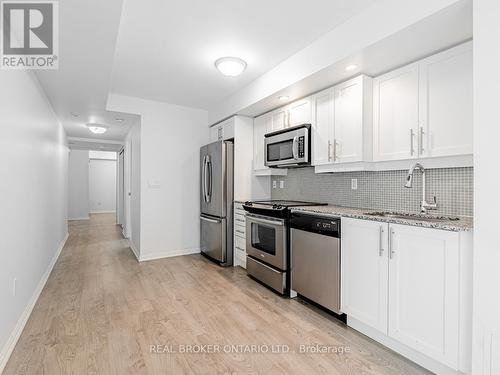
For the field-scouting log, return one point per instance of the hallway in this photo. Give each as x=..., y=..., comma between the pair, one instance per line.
x=102, y=312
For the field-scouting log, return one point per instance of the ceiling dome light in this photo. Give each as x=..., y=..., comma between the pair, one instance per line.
x=283, y=97
x=230, y=66
x=350, y=67
x=97, y=129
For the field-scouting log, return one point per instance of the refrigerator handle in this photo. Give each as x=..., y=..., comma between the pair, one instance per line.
x=204, y=179
x=209, y=189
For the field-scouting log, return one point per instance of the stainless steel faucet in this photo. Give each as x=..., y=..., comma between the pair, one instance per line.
x=424, y=205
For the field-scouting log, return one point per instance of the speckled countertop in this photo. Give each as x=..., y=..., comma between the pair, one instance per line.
x=464, y=224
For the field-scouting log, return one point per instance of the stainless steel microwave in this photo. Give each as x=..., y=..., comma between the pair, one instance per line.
x=289, y=147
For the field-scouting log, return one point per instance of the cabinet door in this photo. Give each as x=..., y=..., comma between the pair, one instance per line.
x=348, y=141
x=446, y=103
x=423, y=291
x=279, y=118
x=364, y=271
x=322, y=127
x=395, y=114
x=215, y=133
x=228, y=129
x=259, y=130
x=299, y=112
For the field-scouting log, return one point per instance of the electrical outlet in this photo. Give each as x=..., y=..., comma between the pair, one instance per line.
x=275, y=184
x=14, y=287
x=354, y=184
x=282, y=184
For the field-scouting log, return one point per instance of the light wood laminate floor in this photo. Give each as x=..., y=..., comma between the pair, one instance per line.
x=102, y=311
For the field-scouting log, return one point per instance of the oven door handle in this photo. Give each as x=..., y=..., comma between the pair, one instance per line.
x=263, y=221
x=295, y=148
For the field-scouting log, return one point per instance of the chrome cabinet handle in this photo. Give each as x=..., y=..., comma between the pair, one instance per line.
x=412, y=148
x=329, y=150
x=240, y=220
x=335, y=143
x=240, y=231
x=391, y=244
x=381, y=241
x=421, y=140
x=239, y=248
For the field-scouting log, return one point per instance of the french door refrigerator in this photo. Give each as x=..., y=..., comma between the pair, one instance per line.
x=216, y=218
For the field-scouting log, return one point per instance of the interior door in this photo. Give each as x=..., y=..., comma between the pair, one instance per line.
x=121, y=191
x=213, y=174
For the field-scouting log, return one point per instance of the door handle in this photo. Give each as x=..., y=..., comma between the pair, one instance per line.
x=209, y=192
x=264, y=221
x=381, y=241
x=421, y=140
x=204, y=177
x=213, y=221
x=391, y=244
x=295, y=148
x=412, y=149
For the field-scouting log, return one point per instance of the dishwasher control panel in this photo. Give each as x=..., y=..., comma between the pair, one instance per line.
x=325, y=225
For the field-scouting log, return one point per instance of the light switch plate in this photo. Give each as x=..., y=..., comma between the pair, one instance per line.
x=282, y=184
x=275, y=184
x=354, y=184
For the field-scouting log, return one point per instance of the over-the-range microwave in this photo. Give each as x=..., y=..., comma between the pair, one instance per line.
x=289, y=147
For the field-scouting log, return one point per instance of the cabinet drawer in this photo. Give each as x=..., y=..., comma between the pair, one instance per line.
x=240, y=231
x=239, y=219
x=239, y=245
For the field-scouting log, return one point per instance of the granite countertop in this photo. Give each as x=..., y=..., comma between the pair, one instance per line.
x=464, y=224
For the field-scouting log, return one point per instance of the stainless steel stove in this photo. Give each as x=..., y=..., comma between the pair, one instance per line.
x=267, y=241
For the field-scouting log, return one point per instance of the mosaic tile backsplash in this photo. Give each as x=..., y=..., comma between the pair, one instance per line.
x=453, y=188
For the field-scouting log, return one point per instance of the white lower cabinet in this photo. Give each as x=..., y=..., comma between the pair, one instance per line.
x=239, y=239
x=405, y=286
x=365, y=271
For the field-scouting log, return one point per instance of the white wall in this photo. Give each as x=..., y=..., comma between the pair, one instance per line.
x=486, y=309
x=171, y=137
x=102, y=185
x=78, y=185
x=33, y=227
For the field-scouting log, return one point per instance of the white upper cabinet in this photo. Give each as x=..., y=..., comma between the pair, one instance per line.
x=322, y=128
x=342, y=122
x=424, y=284
x=425, y=109
x=365, y=271
x=222, y=131
x=353, y=120
x=395, y=114
x=446, y=103
x=299, y=112
x=259, y=130
x=277, y=120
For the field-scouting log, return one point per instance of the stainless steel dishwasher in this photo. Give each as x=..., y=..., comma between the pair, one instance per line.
x=315, y=260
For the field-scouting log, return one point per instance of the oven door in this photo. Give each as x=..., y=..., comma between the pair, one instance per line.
x=266, y=240
x=287, y=147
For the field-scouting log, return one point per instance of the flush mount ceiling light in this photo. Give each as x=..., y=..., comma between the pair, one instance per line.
x=97, y=129
x=74, y=114
x=119, y=120
x=350, y=67
x=230, y=66
x=283, y=97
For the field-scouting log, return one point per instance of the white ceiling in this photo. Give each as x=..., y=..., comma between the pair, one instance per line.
x=166, y=49
x=88, y=31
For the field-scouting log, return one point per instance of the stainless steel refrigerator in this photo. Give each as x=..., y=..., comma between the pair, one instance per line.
x=216, y=219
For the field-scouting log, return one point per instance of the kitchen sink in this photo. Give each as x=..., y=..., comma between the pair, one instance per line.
x=418, y=217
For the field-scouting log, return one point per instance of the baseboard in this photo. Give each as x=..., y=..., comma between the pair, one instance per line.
x=102, y=212
x=134, y=250
x=79, y=218
x=169, y=254
x=23, y=319
x=417, y=357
